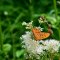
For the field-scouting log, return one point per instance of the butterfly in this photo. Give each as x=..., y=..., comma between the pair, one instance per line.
x=38, y=35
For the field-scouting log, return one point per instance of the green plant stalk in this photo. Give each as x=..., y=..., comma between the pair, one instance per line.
x=56, y=14
x=18, y=18
x=1, y=37
x=13, y=47
x=58, y=55
x=13, y=40
x=31, y=9
x=58, y=29
x=13, y=37
x=59, y=32
x=55, y=8
x=52, y=56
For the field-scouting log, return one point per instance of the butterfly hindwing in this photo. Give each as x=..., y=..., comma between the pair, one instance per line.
x=38, y=35
x=43, y=35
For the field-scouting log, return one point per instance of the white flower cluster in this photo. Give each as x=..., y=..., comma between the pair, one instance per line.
x=28, y=25
x=6, y=13
x=39, y=47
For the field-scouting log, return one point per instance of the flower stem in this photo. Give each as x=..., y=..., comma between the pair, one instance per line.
x=52, y=56
x=13, y=52
x=1, y=37
x=55, y=7
x=31, y=9
x=13, y=46
x=56, y=14
x=12, y=36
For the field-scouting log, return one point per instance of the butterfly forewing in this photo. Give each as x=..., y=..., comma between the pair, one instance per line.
x=38, y=35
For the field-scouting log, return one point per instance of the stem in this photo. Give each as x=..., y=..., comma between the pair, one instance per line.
x=18, y=18
x=59, y=32
x=52, y=56
x=13, y=47
x=1, y=37
x=56, y=14
x=55, y=7
x=31, y=9
x=59, y=53
x=13, y=39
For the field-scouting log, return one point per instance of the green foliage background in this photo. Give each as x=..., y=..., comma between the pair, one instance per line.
x=13, y=13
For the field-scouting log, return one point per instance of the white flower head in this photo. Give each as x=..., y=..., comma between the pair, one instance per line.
x=52, y=45
x=24, y=23
x=58, y=2
x=40, y=49
x=37, y=47
x=40, y=28
x=5, y=13
x=28, y=25
x=40, y=21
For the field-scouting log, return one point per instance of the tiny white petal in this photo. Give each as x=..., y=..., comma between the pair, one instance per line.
x=24, y=23
x=5, y=13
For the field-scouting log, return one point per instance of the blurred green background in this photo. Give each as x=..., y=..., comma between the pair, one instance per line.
x=13, y=13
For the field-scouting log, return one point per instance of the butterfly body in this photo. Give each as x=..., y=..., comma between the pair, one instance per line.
x=38, y=35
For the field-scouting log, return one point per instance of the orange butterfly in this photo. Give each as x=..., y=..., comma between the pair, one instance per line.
x=38, y=35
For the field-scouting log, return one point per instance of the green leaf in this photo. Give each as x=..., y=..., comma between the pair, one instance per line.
x=19, y=53
x=6, y=48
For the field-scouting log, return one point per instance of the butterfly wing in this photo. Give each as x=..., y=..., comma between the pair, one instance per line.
x=38, y=35
x=42, y=35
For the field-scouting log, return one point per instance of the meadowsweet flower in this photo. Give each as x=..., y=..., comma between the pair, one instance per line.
x=40, y=28
x=5, y=13
x=58, y=2
x=42, y=19
x=24, y=23
x=52, y=45
x=30, y=44
x=38, y=47
x=28, y=25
